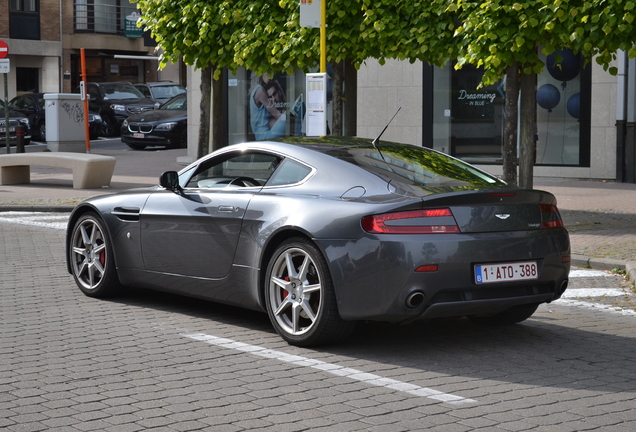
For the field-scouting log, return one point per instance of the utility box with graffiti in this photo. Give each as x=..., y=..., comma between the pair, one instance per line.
x=65, y=131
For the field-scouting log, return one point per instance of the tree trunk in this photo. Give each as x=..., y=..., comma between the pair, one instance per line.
x=351, y=100
x=337, y=94
x=203, y=144
x=218, y=123
x=510, y=161
x=526, y=129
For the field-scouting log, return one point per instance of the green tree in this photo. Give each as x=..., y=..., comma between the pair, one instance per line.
x=200, y=32
x=498, y=35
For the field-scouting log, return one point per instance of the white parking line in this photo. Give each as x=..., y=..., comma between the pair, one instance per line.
x=589, y=273
x=593, y=292
x=596, y=306
x=48, y=220
x=354, y=374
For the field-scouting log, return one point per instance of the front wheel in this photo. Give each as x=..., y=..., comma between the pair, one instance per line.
x=109, y=126
x=91, y=257
x=300, y=297
x=514, y=315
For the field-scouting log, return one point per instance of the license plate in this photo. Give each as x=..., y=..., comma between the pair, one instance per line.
x=505, y=272
x=138, y=135
x=3, y=130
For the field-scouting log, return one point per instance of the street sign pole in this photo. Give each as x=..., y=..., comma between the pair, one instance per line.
x=6, y=113
x=4, y=52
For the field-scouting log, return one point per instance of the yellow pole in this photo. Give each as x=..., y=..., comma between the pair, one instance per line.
x=323, y=36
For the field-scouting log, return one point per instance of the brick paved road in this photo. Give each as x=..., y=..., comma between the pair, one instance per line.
x=71, y=363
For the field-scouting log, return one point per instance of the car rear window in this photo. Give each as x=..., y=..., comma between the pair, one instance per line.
x=415, y=166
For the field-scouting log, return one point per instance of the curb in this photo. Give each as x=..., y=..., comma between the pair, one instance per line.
x=606, y=264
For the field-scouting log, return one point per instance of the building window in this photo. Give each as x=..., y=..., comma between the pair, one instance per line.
x=102, y=16
x=467, y=121
x=24, y=19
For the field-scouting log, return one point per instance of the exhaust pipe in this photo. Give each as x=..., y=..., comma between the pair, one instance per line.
x=415, y=299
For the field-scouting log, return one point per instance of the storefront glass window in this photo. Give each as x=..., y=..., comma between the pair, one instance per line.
x=468, y=122
x=265, y=107
x=558, y=110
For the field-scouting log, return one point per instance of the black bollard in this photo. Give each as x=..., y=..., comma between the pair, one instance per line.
x=19, y=138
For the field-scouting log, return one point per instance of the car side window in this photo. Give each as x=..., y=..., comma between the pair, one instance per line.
x=144, y=90
x=93, y=93
x=289, y=172
x=235, y=170
x=21, y=103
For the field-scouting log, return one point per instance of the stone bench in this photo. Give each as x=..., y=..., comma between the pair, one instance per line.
x=89, y=171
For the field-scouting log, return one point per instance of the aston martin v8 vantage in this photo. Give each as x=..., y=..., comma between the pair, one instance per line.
x=323, y=232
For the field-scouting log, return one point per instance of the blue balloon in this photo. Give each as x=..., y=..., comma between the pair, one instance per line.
x=574, y=105
x=548, y=96
x=567, y=69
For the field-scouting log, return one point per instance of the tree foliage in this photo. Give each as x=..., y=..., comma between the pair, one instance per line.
x=495, y=34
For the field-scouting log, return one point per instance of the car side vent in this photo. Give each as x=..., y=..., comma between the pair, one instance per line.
x=130, y=214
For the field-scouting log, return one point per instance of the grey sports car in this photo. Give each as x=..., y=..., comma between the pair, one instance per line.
x=323, y=232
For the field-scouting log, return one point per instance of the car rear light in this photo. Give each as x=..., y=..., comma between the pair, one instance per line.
x=550, y=217
x=427, y=268
x=435, y=221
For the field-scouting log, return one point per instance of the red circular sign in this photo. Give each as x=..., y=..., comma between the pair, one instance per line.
x=4, y=49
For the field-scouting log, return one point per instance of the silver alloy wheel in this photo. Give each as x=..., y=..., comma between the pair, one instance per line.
x=296, y=291
x=88, y=254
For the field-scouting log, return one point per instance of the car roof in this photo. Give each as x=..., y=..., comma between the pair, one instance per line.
x=159, y=83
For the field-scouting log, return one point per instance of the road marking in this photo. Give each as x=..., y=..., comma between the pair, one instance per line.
x=589, y=273
x=332, y=368
x=48, y=220
x=593, y=292
x=596, y=306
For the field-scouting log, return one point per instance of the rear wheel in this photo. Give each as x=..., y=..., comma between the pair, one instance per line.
x=300, y=298
x=91, y=257
x=42, y=132
x=514, y=315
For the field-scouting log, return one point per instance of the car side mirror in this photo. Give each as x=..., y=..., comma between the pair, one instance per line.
x=169, y=180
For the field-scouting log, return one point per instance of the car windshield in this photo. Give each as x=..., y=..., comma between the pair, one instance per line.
x=120, y=91
x=167, y=91
x=177, y=103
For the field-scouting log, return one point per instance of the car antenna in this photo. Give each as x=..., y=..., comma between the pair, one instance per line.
x=377, y=139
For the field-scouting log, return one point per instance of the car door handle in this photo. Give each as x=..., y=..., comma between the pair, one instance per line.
x=226, y=208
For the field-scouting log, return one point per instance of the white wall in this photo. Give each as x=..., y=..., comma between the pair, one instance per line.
x=382, y=89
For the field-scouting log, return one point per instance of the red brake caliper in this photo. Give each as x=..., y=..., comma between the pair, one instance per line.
x=285, y=292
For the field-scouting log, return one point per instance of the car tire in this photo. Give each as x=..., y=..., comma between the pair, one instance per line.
x=91, y=257
x=300, y=298
x=42, y=131
x=109, y=127
x=136, y=146
x=183, y=140
x=514, y=315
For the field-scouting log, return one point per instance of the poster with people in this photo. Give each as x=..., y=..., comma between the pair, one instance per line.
x=270, y=114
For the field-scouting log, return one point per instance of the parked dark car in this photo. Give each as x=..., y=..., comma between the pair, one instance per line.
x=15, y=119
x=33, y=106
x=114, y=102
x=166, y=126
x=160, y=92
x=323, y=232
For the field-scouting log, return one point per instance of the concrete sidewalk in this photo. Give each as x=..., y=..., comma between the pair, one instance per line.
x=600, y=216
